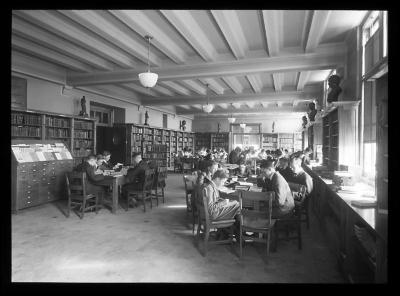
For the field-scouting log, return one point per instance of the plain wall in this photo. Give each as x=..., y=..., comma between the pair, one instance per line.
x=47, y=96
x=281, y=125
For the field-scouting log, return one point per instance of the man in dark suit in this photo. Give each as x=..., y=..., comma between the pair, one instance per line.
x=89, y=167
x=135, y=176
x=299, y=175
x=272, y=180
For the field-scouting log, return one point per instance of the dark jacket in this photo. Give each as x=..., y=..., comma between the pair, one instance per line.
x=136, y=175
x=233, y=157
x=89, y=170
x=283, y=195
x=304, y=179
x=287, y=173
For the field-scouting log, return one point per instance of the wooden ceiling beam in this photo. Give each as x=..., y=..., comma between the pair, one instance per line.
x=294, y=63
x=98, y=22
x=143, y=25
x=43, y=37
x=255, y=82
x=140, y=89
x=194, y=86
x=246, y=111
x=319, y=21
x=50, y=21
x=184, y=23
x=48, y=54
x=233, y=83
x=267, y=96
x=176, y=87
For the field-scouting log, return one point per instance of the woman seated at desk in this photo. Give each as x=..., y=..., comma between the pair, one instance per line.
x=218, y=208
x=89, y=167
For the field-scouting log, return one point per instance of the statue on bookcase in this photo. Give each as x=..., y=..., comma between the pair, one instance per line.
x=335, y=89
x=83, y=105
x=305, y=121
x=182, y=125
x=146, y=118
x=312, y=112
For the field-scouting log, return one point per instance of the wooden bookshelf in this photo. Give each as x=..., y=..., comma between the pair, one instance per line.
x=220, y=140
x=77, y=133
x=156, y=154
x=269, y=141
x=286, y=141
x=202, y=140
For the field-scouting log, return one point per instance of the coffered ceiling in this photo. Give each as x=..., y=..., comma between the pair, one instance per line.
x=255, y=62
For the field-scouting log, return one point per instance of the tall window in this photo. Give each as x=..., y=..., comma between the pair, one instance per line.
x=369, y=129
x=370, y=46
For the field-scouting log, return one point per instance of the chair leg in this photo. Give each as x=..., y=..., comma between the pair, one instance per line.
x=193, y=221
x=307, y=219
x=97, y=204
x=69, y=207
x=206, y=236
x=198, y=231
x=299, y=234
x=241, y=242
x=157, y=195
x=144, y=202
x=151, y=200
x=83, y=207
x=268, y=240
x=127, y=201
x=163, y=196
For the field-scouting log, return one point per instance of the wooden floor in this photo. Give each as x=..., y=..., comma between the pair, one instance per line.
x=156, y=246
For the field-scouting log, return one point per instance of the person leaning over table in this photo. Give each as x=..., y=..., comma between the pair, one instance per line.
x=89, y=167
x=299, y=176
x=100, y=163
x=271, y=180
x=135, y=176
x=284, y=169
x=218, y=208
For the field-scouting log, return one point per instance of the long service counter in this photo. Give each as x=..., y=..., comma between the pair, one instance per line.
x=357, y=236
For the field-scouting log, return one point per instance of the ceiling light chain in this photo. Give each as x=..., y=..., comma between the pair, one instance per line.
x=148, y=79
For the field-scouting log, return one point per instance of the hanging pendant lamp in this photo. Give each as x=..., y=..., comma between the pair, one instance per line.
x=208, y=108
x=231, y=119
x=148, y=79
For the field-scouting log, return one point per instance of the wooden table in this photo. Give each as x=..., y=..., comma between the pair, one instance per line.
x=116, y=182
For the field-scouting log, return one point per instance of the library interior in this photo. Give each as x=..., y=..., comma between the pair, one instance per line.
x=199, y=146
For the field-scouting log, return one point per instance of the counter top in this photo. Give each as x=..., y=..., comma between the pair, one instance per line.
x=359, y=192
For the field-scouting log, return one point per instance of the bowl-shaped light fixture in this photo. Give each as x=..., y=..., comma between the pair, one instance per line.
x=148, y=79
x=208, y=108
x=231, y=119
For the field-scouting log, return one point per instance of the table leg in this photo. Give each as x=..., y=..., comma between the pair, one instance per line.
x=114, y=196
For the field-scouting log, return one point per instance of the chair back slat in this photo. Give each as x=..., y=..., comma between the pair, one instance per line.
x=148, y=179
x=161, y=174
x=256, y=205
x=76, y=183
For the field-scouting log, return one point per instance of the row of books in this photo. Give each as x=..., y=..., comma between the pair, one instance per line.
x=147, y=138
x=83, y=134
x=137, y=130
x=28, y=119
x=286, y=141
x=82, y=152
x=57, y=122
x=60, y=133
x=83, y=125
x=159, y=163
x=83, y=144
x=148, y=131
x=270, y=139
x=154, y=155
x=25, y=131
x=156, y=148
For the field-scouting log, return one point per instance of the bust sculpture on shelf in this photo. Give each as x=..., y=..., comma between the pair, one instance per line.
x=183, y=125
x=312, y=112
x=334, y=87
x=146, y=117
x=305, y=121
x=83, y=105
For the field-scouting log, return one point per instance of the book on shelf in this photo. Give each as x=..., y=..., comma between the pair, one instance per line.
x=26, y=119
x=83, y=125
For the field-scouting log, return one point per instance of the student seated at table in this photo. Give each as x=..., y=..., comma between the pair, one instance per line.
x=107, y=162
x=135, y=176
x=284, y=169
x=218, y=208
x=209, y=167
x=89, y=167
x=271, y=180
x=101, y=166
x=299, y=176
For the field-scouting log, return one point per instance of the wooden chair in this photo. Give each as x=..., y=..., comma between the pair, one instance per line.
x=77, y=195
x=205, y=224
x=188, y=193
x=194, y=196
x=159, y=183
x=143, y=194
x=178, y=168
x=292, y=219
x=301, y=199
x=256, y=217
